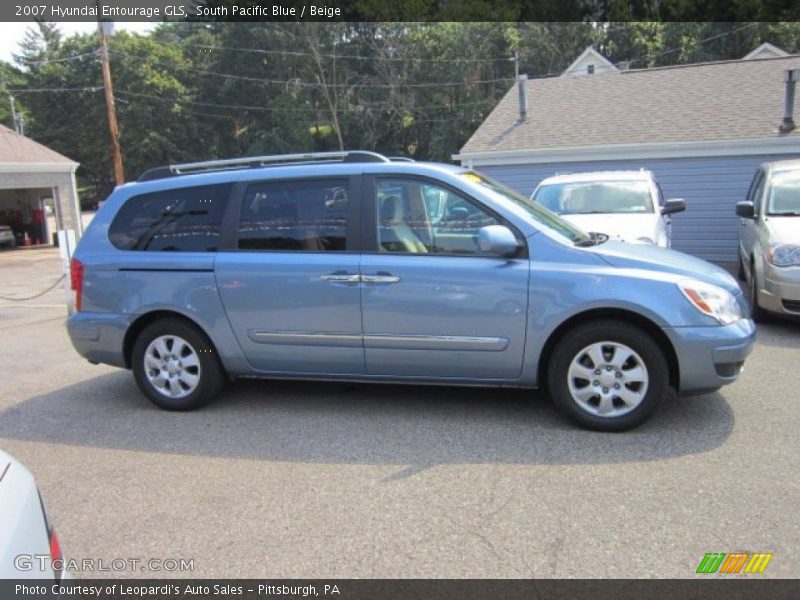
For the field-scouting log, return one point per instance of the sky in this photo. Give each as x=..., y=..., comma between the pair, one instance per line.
x=11, y=34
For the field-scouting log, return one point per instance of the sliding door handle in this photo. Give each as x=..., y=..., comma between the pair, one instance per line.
x=380, y=278
x=348, y=278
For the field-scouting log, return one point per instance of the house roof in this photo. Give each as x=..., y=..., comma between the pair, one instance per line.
x=765, y=50
x=16, y=149
x=721, y=101
x=590, y=56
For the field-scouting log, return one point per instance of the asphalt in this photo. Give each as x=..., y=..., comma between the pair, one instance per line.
x=280, y=479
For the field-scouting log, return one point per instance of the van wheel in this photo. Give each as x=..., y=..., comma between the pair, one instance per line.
x=608, y=375
x=176, y=366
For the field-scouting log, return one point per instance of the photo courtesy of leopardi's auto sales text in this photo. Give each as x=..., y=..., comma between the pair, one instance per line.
x=419, y=300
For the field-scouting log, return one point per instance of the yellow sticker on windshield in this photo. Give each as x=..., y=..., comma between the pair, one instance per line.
x=472, y=177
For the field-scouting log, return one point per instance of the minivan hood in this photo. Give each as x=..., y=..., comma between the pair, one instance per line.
x=784, y=230
x=617, y=226
x=655, y=258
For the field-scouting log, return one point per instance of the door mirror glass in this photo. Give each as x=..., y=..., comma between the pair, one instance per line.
x=672, y=206
x=745, y=209
x=498, y=240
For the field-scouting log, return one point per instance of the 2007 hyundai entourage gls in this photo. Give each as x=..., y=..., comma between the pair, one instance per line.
x=351, y=266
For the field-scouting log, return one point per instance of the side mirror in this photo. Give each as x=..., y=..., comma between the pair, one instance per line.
x=498, y=240
x=672, y=206
x=745, y=209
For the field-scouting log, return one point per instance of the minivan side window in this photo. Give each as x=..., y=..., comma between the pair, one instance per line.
x=419, y=217
x=295, y=216
x=179, y=220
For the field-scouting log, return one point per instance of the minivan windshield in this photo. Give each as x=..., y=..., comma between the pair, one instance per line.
x=784, y=194
x=596, y=197
x=539, y=214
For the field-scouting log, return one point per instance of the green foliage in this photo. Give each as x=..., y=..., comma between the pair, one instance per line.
x=194, y=91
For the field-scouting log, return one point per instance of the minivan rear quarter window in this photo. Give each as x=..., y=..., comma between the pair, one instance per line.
x=179, y=220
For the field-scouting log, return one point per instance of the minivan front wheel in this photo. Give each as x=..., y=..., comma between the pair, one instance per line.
x=174, y=365
x=608, y=375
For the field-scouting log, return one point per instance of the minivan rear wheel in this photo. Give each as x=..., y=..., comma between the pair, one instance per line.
x=608, y=375
x=175, y=365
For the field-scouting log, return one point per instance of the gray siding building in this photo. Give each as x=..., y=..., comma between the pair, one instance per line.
x=702, y=129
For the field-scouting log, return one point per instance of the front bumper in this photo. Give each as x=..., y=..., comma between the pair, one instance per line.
x=99, y=337
x=780, y=290
x=710, y=357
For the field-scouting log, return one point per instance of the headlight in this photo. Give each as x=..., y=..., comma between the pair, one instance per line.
x=711, y=300
x=784, y=255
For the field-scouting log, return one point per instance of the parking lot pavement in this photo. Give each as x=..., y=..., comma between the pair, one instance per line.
x=280, y=479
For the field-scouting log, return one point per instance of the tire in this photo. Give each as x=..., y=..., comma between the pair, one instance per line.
x=740, y=274
x=176, y=366
x=612, y=396
x=756, y=312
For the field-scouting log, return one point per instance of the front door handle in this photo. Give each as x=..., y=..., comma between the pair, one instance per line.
x=341, y=277
x=380, y=278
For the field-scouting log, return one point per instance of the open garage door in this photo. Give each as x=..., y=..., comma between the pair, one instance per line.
x=25, y=212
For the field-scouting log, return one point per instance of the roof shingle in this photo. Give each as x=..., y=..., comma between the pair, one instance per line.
x=728, y=100
x=16, y=148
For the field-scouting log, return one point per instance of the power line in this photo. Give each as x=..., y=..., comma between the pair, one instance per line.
x=283, y=109
x=336, y=56
x=46, y=61
x=40, y=90
x=206, y=104
x=698, y=43
x=297, y=82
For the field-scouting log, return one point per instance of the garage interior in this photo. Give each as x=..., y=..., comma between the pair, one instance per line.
x=26, y=211
x=38, y=192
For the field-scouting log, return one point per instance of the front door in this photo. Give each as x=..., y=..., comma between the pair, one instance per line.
x=291, y=287
x=434, y=305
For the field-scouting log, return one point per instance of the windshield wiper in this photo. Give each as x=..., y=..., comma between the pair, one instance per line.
x=788, y=213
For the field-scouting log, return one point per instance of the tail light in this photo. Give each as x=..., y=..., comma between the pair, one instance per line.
x=55, y=555
x=56, y=559
x=76, y=281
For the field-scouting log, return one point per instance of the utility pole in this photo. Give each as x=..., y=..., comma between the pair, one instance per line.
x=14, y=114
x=17, y=119
x=113, y=128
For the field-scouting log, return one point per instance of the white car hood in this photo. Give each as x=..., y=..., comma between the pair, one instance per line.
x=618, y=226
x=784, y=230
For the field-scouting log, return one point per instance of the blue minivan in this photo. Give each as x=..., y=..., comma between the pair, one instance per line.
x=352, y=266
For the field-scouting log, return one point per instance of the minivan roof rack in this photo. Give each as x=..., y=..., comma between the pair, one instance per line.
x=255, y=162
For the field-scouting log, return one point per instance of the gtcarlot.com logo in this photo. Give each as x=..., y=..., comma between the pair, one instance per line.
x=734, y=562
x=43, y=562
